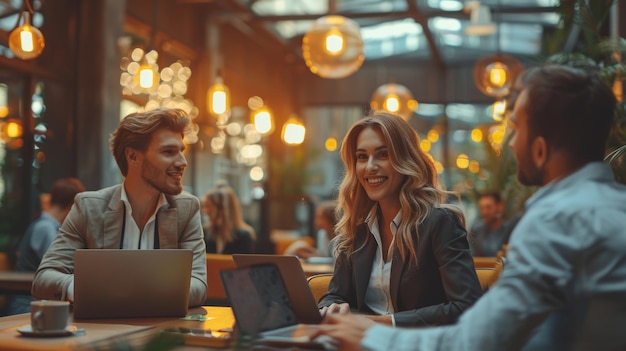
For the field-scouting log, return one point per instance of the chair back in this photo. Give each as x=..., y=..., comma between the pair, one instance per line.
x=215, y=263
x=485, y=262
x=319, y=284
x=487, y=276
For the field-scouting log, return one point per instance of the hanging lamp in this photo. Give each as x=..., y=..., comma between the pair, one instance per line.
x=26, y=41
x=333, y=47
x=293, y=132
x=394, y=98
x=218, y=98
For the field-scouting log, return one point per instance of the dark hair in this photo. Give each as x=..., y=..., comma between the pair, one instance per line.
x=492, y=194
x=135, y=131
x=64, y=190
x=571, y=108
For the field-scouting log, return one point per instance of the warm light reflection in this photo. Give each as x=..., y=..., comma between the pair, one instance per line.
x=12, y=129
x=331, y=144
x=262, y=119
x=477, y=135
x=439, y=167
x=257, y=174
x=474, y=166
x=497, y=74
x=293, y=131
x=4, y=100
x=462, y=161
x=433, y=135
x=425, y=145
x=498, y=110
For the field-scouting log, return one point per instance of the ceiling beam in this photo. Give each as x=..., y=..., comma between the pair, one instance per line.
x=420, y=19
x=401, y=14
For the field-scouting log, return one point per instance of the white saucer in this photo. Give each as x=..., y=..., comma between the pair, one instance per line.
x=27, y=330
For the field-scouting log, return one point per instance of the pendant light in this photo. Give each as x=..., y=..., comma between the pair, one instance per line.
x=333, y=47
x=394, y=98
x=26, y=41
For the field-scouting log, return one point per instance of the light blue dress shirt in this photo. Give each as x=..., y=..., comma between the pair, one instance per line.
x=565, y=272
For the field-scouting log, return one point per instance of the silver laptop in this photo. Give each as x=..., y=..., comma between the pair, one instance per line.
x=300, y=294
x=110, y=283
x=264, y=312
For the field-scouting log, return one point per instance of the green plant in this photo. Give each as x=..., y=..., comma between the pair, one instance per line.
x=606, y=54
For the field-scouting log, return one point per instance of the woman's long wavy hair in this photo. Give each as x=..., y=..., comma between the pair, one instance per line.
x=229, y=215
x=420, y=191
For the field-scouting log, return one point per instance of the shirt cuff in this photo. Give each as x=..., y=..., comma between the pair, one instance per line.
x=378, y=337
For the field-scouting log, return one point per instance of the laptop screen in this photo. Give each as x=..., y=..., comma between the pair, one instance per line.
x=259, y=299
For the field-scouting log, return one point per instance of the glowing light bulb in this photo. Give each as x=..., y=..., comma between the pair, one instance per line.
x=26, y=37
x=219, y=102
x=497, y=74
x=145, y=78
x=262, y=120
x=26, y=41
x=334, y=43
x=477, y=135
x=462, y=161
x=392, y=103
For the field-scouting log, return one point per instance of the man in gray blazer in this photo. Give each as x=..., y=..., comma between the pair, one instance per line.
x=147, y=211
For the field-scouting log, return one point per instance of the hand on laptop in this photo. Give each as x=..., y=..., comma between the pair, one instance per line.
x=341, y=308
x=347, y=330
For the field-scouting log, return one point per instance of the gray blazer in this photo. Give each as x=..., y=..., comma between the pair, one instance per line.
x=95, y=222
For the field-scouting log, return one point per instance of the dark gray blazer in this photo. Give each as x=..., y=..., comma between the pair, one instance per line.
x=436, y=292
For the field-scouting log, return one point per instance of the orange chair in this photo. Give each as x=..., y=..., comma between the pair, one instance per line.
x=319, y=284
x=281, y=245
x=485, y=262
x=215, y=263
x=489, y=275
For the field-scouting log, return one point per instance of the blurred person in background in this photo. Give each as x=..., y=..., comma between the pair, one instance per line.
x=227, y=232
x=325, y=220
x=488, y=234
x=40, y=234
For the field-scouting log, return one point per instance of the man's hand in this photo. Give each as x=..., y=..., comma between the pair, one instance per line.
x=342, y=308
x=346, y=329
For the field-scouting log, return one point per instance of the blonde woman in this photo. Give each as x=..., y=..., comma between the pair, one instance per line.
x=227, y=232
x=402, y=254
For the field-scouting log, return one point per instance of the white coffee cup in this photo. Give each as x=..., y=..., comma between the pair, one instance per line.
x=49, y=315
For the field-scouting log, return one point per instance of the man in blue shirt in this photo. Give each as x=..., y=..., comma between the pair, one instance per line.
x=564, y=285
x=40, y=234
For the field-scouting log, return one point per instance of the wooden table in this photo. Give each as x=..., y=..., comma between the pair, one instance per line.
x=103, y=334
x=12, y=282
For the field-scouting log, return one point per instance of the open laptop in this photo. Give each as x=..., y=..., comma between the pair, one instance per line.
x=264, y=312
x=111, y=283
x=300, y=294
